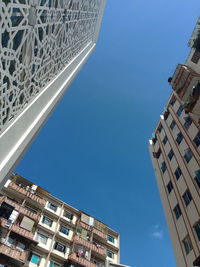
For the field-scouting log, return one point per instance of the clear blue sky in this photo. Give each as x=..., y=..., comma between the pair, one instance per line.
x=93, y=151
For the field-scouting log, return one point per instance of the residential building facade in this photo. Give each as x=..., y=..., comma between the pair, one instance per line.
x=185, y=81
x=37, y=229
x=43, y=45
x=175, y=153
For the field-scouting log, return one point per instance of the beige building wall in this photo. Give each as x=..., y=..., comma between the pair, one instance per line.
x=59, y=231
x=176, y=175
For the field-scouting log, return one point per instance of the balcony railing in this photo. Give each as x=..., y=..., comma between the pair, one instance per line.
x=20, y=209
x=96, y=248
x=13, y=253
x=80, y=260
x=93, y=229
x=84, y=225
x=184, y=79
x=99, y=233
x=26, y=192
x=17, y=229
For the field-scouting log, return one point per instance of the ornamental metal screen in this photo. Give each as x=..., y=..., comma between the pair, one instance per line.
x=38, y=39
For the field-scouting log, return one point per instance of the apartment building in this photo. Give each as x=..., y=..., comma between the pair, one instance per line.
x=175, y=153
x=37, y=229
x=185, y=81
x=43, y=46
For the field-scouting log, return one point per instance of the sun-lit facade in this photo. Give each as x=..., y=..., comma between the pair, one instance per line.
x=43, y=45
x=175, y=153
x=37, y=229
x=185, y=81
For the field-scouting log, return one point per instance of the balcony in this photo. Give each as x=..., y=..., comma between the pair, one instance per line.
x=17, y=229
x=25, y=192
x=185, y=82
x=20, y=256
x=93, y=229
x=94, y=247
x=184, y=79
x=20, y=209
x=99, y=233
x=84, y=225
x=80, y=260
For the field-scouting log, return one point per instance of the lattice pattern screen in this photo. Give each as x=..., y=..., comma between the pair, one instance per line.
x=38, y=38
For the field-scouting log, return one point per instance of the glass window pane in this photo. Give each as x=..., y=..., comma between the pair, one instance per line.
x=111, y=238
x=68, y=214
x=41, y=238
x=35, y=259
x=197, y=230
x=64, y=230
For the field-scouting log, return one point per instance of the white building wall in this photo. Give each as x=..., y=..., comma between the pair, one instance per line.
x=41, y=54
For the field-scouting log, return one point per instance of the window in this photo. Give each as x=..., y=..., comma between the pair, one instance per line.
x=154, y=138
x=110, y=254
x=177, y=211
x=157, y=154
x=197, y=177
x=6, y=210
x=64, y=230
x=179, y=138
x=197, y=230
x=97, y=262
x=10, y=241
x=111, y=239
x=187, y=123
x=172, y=102
x=47, y=221
x=20, y=246
x=41, y=238
x=35, y=259
x=187, y=245
x=52, y=206
x=166, y=114
x=68, y=214
x=54, y=264
x=178, y=173
x=165, y=139
x=170, y=187
x=188, y=155
x=197, y=139
x=171, y=154
x=163, y=166
x=187, y=197
x=196, y=56
x=160, y=129
x=172, y=125
x=60, y=247
x=179, y=111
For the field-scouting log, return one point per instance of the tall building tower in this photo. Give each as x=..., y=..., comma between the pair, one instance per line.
x=175, y=154
x=37, y=229
x=43, y=45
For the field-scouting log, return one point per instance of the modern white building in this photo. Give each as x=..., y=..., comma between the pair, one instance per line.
x=43, y=45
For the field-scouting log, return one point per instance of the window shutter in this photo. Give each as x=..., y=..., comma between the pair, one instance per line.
x=27, y=223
